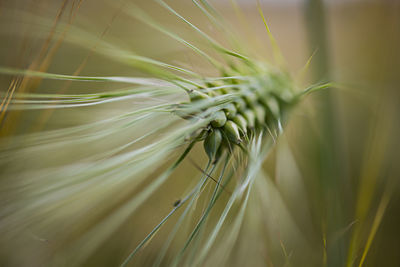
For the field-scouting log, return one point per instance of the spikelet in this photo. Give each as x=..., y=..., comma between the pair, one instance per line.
x=253, y=105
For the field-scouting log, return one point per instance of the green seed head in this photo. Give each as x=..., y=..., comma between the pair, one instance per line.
x=273, y=106
x=232, y=132
x=250, y=117
x=250, y=98
x=239, y=109
x=220, y=119
x=230, y=111
x=240, y=104
x=212, y=143
x=260, y=113
x=241, y=123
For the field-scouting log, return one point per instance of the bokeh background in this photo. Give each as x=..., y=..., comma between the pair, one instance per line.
x=333, y=177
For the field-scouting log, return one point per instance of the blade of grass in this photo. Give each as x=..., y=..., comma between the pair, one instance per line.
x=214, y=43
x=192, y=195
x=275, y=48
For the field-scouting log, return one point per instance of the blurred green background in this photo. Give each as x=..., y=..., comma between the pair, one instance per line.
x=334, y=174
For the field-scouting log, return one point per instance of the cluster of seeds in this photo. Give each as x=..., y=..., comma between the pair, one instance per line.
x=245, y=107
